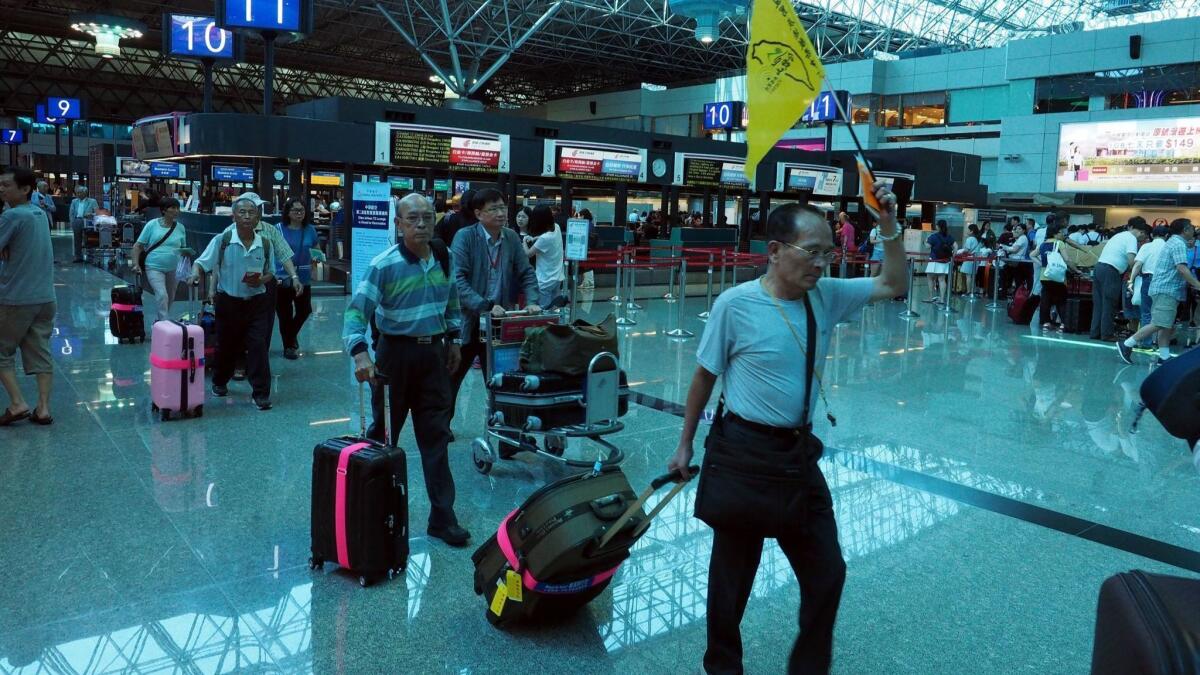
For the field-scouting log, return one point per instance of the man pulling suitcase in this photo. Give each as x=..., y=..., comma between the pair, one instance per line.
x=415, y=309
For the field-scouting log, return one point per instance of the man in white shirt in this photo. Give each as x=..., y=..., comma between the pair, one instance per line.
x=1107, y=290
x=83, y=208
x=1138, y=283
x=1015, y=269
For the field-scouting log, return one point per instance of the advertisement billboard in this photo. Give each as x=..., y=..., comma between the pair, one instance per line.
x=1159, y=156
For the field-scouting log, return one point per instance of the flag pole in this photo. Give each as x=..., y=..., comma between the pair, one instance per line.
x=848, y=122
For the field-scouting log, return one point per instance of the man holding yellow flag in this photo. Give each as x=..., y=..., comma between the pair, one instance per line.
x=767, y=340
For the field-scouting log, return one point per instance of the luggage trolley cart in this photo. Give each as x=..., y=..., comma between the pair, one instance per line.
x=602, y=399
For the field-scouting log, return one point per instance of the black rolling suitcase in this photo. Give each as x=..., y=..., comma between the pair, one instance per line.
x=1170, y=393
x=125, y=315
x=360, y=506
x=1147, y=624
x=1079, y=315
x=560, y=549
x=539, y=401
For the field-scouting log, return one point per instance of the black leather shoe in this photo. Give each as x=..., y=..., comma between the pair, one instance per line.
x=220, y=391
x=262, y=402
x=452, y=535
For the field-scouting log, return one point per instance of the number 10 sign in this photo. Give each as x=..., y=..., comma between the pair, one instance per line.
x=190, y=36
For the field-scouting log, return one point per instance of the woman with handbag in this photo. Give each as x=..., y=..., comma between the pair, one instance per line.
x=293, y=300
x=156, y=256
x=1055, y=267
x=760, y=477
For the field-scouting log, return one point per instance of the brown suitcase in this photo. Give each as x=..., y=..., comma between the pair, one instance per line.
x=1147, y=624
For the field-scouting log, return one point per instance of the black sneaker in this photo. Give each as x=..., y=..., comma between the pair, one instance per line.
x=452, y=535
x=1125, y=351
x=1158, y=360
x=291, y=354
x=220, y=391
x=262, y=402
x=239, y=374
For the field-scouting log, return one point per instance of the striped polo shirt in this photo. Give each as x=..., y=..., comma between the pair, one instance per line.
x=406, y=296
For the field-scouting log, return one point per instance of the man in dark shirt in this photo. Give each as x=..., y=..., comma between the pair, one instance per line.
x=453, y=222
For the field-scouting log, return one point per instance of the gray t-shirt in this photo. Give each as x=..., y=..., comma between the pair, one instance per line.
x=747, y=342
x=27, y=271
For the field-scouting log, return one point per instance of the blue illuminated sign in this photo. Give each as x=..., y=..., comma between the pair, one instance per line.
x=41, y=118
x=12, y=136
x=167, y=170
x=824, y=107
x=233, y=174
x=620, y=167
x=197, y=37
x=63, y=108
x=285, y=16
x=726, y=115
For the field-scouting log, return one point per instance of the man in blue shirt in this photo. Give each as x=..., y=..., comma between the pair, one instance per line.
x=27, y=301
x=1169, y=282
x=408, y=296
x=244, y=265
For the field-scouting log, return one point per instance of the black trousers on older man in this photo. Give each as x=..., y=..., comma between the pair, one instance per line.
x=416, y=379
x=812, y=551
x=243, y=327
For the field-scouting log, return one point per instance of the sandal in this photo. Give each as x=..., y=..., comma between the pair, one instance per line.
x=8, y=417
x=44, y=421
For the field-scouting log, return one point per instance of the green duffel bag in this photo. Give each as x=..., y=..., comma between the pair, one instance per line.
x=568, y=349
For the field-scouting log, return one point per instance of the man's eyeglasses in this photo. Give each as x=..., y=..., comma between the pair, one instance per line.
x=413, y=219
x=828, y=256
x=496, y=210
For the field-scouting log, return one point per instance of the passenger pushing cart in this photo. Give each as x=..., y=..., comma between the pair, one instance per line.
x=521, y=407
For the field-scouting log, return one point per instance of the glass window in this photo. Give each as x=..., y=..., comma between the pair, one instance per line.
x=924, y=110
x=123, y=132
x=860, y=108
x=888, y=114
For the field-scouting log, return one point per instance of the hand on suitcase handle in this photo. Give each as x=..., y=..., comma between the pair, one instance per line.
x=674, y=477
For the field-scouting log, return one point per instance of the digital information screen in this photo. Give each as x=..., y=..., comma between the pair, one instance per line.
x=457, y=150
x=709, y=171
x=824, y=107
x=329, y=178
x=814, y=178
x=599, y=164
x=1130, y=156
x=197, y=37
x=233, y=174
x=400, y=183
x=12, y=136
x=153, y=140
x=287, y=16
x=167, y=170
x=41, y=117
x=724, y=115
x=128, y=167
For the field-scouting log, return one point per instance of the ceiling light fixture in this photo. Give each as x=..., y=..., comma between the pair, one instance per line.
x=708, y=15
x=108, y=31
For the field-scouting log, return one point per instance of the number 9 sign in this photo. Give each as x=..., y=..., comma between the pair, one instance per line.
x=63, y=108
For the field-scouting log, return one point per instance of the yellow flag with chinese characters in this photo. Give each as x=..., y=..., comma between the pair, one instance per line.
x=783, y=76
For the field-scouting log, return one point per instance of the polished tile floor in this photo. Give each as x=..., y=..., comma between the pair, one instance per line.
x=985, y=478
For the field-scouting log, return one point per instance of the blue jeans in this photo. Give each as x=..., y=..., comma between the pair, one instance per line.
x=1146, y=306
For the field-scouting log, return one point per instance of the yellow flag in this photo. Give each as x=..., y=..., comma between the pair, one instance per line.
x=783, y=76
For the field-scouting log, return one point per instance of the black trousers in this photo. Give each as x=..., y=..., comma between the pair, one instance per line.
x=244, y=327
x=292, y=311
x=816, y=560
x=471, y=348
x=417, y=381
x=1054, y=294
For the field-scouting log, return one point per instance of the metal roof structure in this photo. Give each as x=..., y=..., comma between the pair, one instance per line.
x=506, y=53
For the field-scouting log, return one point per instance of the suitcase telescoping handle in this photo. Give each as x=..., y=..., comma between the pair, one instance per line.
x=655, y=484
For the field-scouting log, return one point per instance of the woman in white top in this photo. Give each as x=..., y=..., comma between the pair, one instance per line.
x=162, y=242
x=971, y=248
x=544, y=242
x=876, y=252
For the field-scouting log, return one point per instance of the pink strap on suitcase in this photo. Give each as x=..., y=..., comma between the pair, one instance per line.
x=339, y=503
x=126, y=308
x=527, y=579
x=174, y=364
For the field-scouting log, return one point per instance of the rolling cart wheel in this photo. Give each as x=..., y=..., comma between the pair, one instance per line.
x=481, y=454
x=364, y=581
x=555, y=445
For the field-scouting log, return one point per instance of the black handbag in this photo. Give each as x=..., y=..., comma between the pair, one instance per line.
x=146, y=253
x=759, y=491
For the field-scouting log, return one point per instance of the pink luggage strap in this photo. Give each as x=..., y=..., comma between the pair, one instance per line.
x=339, y=503
x=533, y=584
x=126, y=308
x=174, y=364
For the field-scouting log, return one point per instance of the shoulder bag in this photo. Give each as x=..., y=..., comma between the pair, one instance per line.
x=758, y=491
x=146, y=253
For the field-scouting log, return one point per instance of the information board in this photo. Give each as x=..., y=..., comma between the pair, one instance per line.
x=457, y=150
x=577, y=239
x=167, y=170
x=128, y=167
x=188, y=36
x=12, y=136
x=710, y=171
x=820, y=180
x=441, y=185
x=724, y=115
x=371, y=221
x=594, y=162
x=328, y=178
x=41, y=117
x=286, y=16
x=398, y=183
x=63, y=108
x=824, y=107
x=233, y=174
x=1142, y=155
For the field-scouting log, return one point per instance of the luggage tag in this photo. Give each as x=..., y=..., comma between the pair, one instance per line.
x=513, y=588
x=499, y=598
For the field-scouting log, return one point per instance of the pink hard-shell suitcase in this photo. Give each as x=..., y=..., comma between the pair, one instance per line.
x=177, y=369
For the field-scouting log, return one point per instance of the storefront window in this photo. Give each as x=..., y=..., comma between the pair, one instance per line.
x=888, y=114
x=924, y=110
x=860, y=108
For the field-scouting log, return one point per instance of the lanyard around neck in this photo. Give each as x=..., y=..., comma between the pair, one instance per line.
x=810, y=348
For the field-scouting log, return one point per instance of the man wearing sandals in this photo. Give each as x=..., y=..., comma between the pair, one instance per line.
x=27, y=302
x=760, y=477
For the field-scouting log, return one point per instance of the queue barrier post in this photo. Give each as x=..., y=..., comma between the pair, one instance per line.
x=622, y=308
x=617, y=298
x=631, y=276
x=995, y=305
x=712, y=259
x=679, y=331
x=574, y=285
x=948, y=307
x=670, y=296
x=910, y=312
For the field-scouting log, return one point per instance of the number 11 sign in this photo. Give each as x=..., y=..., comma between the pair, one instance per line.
x=283, y=16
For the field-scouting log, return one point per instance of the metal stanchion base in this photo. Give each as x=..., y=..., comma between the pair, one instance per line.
x=625, y=321
x=994, y=307
x=669, y=298
x=948, y=310
x=616, y=299
x=909, y=314
x=680, y=333
x=702, y=315
x=633, y=305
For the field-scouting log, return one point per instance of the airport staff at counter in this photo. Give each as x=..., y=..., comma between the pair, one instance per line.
x=767, y=483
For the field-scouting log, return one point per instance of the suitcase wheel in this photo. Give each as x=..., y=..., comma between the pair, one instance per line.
x=315, y=563
x=200, y=411
x=481, y=455
x=364, y=581
x=166, y=415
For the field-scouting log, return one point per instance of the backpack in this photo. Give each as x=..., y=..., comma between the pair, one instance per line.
x=942, y=248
